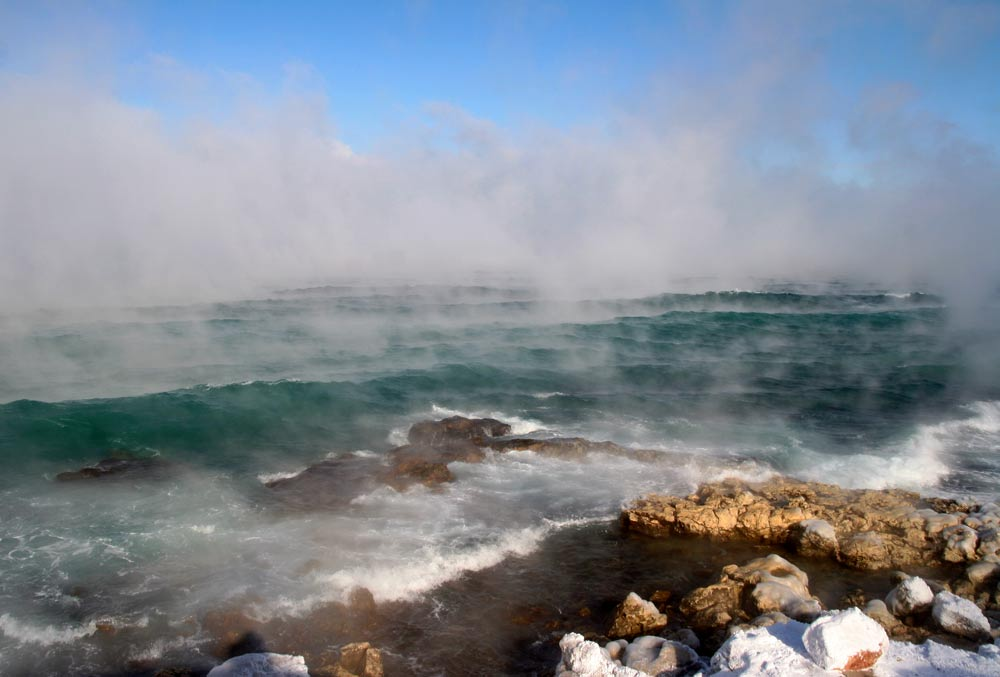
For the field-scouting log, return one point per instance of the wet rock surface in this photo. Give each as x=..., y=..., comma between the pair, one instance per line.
x=119, y=468
x=432, y=446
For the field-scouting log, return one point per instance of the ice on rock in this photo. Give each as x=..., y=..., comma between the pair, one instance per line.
x=912, y=595
x=262, y=665
x=583, y=658
x=658, y=656
x=959, y=616
x=845, y=640
x=774, y=651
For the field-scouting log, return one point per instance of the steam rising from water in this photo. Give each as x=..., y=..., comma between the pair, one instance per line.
x=106, y=202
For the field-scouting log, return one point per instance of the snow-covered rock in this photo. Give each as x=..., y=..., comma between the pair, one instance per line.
x=583, y=658
x=931, y=659
x=960, y=543
x=845, y=640
x=262, y=665
x=779, y=651
x=911, y=596
x=658, y=656
x=774, y=651
x=959, y=616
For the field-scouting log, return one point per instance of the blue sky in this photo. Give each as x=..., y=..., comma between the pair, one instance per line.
x=519, y=64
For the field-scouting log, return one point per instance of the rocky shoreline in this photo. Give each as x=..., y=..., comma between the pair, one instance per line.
x=714, y=582
x=762, y=615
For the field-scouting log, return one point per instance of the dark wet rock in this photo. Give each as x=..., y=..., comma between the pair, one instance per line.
x=331, y=483
x=416, y=465
x=428, y=465
x=571, y=448
x=123, y=467
x=456, y=428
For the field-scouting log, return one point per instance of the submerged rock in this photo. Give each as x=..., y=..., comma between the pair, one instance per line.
x=635, y=616
x=331, y=483
x=117, y=468
x=571, y=448
x=262, y=665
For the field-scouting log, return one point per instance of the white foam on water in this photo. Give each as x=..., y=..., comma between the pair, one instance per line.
x=431, y=566
x=921, y=461
x=518, y=425
x=45, y=635
x=266, y=477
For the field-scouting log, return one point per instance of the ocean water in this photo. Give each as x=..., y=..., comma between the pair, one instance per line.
x=861, y=387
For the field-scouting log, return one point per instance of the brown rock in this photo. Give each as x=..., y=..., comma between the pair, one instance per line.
x=361, y=659
x=635, y=616
x=456, y=428
x=765, y=585
x=873, y=529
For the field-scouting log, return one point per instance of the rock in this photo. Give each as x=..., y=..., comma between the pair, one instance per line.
x=417, y=465
x=845, y=640
x=982, y=572
x=456, y=428
x=658, y=656
x=616, y=648
x=118, y=467
x=779, y=651
x=635, y=616
x=960, y=543
x=960, y=617
x=872, y=529
x=911, y=596
x=582, y=658
x=571, y=448
x=866, y=550
x=774, y=651
x=685, y=636
x=853, y=597
x=988, y=515
x=262, y=665
x=361, y=659
x=331, y=483
x=764, y=585
x=989, y=541
x=877, y=610
x=814, y=538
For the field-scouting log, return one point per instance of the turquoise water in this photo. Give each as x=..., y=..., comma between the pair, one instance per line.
x=864, y=388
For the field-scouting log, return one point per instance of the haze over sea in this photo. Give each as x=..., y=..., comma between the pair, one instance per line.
x=239, y=239
x=861, y=387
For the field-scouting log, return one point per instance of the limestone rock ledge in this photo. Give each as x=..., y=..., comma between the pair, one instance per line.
x=862, y=529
